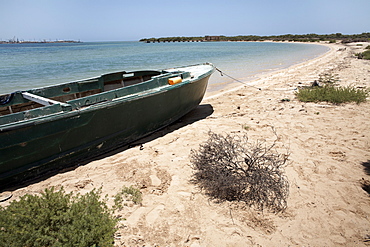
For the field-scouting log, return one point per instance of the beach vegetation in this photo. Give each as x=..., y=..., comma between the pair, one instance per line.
x=364, y=55
x=332, y=94
x=127, y=194
x=229, y=168
x=57, y=218
x=247, y=127
x=327, y=90
x=328, y=79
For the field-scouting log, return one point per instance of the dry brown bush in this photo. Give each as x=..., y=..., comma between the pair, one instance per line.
x=230, y=168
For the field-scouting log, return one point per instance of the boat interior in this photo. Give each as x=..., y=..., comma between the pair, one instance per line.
x=33, y=103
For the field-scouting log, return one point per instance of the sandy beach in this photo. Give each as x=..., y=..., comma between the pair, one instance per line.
x=329, y=162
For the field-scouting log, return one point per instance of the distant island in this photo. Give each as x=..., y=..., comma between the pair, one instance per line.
x=18, y=41
x=364, y=37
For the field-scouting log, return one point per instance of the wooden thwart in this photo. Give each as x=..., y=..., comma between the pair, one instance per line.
x=41, y=100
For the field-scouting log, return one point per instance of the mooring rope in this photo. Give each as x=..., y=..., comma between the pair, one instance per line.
x=244, y=83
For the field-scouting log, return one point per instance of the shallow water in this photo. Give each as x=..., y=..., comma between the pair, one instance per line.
x=25, y=66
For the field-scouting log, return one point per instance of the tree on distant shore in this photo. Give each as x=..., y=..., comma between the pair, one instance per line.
x=364, y=37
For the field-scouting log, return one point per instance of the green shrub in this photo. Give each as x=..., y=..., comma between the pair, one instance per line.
x=57, y=219
x=336, y=95
x=364, y=55
x=127, y=193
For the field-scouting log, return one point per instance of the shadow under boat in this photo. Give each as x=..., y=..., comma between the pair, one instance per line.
x=197, y=114
x=365, y=183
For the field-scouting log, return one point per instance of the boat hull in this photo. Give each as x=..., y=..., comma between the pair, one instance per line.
x=70, y=138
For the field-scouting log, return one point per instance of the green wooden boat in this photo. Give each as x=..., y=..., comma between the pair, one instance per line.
x=61, y=125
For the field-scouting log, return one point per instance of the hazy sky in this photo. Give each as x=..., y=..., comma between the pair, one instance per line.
x=121, y=20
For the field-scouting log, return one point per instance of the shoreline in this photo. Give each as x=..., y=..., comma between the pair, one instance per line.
x=329, y=154
x=364, y=37
x=254, y=83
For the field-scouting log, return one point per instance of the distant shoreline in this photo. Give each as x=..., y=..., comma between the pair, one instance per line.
x=331, y=38
x=38, y=42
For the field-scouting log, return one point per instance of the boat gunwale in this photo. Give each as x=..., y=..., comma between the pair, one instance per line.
x=107, y=103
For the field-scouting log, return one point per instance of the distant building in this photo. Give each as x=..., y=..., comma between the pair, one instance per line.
x=212, y=38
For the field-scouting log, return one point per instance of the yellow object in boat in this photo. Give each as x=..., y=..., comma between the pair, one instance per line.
x=174, y=80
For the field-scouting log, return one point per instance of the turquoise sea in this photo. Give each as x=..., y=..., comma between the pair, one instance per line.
x=25, y=66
